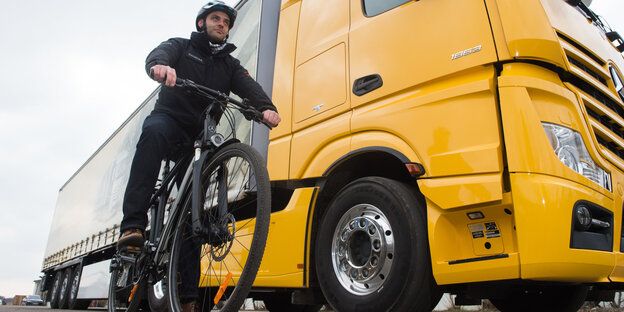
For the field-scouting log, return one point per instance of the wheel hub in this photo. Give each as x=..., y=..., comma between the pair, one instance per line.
x=362, y=249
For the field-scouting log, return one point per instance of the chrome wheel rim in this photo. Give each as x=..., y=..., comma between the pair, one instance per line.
x=362, y=249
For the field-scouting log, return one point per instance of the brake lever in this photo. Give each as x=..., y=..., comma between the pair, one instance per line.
x=251, y=113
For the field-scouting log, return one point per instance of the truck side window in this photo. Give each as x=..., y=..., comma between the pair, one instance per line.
x=374, y=7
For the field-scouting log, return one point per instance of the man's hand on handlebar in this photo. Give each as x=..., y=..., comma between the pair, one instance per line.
x=271, y=117
x=164, y=74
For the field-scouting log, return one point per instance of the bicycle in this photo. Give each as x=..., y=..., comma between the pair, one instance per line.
x=208, y=223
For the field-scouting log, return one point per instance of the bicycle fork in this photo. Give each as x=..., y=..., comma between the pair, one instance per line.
x=214, y=233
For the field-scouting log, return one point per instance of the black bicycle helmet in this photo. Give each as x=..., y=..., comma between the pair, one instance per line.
x=216, y=5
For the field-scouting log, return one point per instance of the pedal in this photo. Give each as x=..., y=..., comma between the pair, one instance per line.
x=129, y=255
x=131, y=249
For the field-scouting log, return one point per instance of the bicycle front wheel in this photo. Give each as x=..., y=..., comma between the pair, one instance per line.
x=220, y=265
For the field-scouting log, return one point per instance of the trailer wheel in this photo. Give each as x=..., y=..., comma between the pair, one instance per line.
x=562, y=298
x=73, y=302
x=64, y=290
x=56, y=286
x=372, y=250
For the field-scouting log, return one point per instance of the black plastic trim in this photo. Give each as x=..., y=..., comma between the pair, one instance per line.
x=305, y=249
x=592, y=238
x=501, y=256
x=390, y=151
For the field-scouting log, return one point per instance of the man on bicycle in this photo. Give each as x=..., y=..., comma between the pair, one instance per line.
x=177, y=117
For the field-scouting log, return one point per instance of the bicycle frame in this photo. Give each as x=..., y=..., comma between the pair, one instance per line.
x=203, y=149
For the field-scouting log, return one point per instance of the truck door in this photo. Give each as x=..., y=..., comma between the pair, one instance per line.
x=321, y=100
x=407, y=43
x=423, y=72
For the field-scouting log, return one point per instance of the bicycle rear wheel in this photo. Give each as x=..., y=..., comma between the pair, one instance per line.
x=223, y=264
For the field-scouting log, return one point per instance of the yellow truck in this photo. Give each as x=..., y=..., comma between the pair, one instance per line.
x=474, y=147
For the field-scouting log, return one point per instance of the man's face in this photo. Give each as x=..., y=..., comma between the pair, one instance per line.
x=217, y=25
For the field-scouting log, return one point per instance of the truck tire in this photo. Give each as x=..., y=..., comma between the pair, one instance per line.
x=54, y=292
x=372, y=251
x=73, y=303
x=64, y=290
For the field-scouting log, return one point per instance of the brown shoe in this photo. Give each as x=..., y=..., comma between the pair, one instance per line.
x=190, y=307
x=131, y=238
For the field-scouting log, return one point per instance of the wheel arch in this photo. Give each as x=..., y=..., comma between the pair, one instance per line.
x=377, y=161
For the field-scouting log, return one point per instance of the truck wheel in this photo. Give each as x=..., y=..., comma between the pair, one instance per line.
x=73, y=303
x=372, y=249
x=56, y=286
x=281, y=302
x=543, y=299
x=64, y=290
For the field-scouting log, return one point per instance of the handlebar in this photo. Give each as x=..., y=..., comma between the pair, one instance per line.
x=250, y=112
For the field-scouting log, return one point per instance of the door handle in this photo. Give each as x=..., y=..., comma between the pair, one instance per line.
x=367, y=84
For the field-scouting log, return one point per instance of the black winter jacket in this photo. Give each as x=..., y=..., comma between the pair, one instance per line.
x=193, y=59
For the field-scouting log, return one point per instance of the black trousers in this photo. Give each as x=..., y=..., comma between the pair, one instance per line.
x=161, y=134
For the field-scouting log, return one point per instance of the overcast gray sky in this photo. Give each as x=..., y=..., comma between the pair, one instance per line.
x=71, y=73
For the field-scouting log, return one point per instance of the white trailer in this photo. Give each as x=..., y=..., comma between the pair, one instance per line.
x=85, y=226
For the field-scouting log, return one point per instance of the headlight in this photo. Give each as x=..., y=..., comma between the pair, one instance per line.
x=569, y=147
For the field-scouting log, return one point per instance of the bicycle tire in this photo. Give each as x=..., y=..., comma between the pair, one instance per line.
x=247, y=222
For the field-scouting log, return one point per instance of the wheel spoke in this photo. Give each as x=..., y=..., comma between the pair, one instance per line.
x=239, y=165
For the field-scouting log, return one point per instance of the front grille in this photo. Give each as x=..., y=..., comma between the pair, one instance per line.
x=586, y=69
x=589, y=75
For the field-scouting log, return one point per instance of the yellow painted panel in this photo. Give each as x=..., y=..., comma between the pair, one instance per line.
x=618, y=189
x=369, y=139
x=452, y=192
x=618, y=272
x=454, y=237
x=321, y=26
x=325, y=157
x=320, y=86
x=416, y=43
x=282, y=264
x=530, y=94
x=283, y=260
x=528, y=32
x=432, y=120
x=285, y=68
x=309, y=142
x=543, y=216
x=278, y=158
x=502, y=50
x=288, y=3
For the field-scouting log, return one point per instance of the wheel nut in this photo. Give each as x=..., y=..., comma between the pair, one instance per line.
x=345, y=234
x=376, y=244
x=354, y=273
x=371, y=230
x=374, y=261
x=362, y=222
